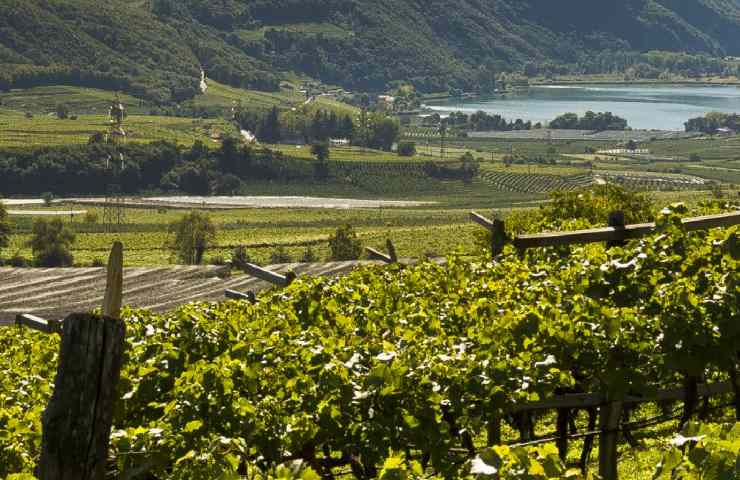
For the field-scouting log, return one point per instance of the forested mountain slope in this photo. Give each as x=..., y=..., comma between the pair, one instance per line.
x=155, y=48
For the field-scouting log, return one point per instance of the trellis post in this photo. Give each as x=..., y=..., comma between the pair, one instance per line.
x=78, y=419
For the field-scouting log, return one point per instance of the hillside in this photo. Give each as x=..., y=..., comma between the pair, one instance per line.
x=155, y=48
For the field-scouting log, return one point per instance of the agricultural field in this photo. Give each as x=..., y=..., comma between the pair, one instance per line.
x=436, y=229
x=424, y=370
x=18, y=131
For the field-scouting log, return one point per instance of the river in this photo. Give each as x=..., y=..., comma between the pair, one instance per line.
x=659, y=107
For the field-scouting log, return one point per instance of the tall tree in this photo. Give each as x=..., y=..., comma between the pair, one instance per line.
x=193, y=234
x=51, y=243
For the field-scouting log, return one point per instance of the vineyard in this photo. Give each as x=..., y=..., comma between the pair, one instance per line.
x=547, y=183
x=423, y=371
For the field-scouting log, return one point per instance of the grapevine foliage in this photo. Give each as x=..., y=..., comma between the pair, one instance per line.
x=383, y=372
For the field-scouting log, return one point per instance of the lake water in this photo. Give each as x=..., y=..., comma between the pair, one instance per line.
x=663, y=107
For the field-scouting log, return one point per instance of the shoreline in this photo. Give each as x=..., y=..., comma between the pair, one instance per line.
x=586, y=81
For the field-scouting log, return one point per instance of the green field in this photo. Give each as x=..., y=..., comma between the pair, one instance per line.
x=18, y=131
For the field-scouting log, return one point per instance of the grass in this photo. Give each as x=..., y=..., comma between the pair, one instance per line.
x=429, y=230
x=349, y=154
x=415, y=231
x=18, y=131
x=40, y=100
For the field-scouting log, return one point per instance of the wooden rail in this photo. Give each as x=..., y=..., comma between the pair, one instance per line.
x=589, y=400
x=268, y=276
x=236, y=295
x=39, y=324
x=377, y=255
x=608, y=234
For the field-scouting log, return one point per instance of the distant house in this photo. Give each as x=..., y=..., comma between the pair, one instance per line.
x=726, y=131
x=339, y=142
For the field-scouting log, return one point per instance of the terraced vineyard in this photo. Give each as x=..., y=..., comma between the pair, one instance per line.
x=545, y=183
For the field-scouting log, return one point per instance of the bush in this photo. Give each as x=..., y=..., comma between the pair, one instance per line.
x=228, y=184
x=90, y=217
x=18, y=261
x=309, y=256
x=51, y=244
x=345, y=245
x=406, y=149
x=194, y=233
x=595, y=204
x=280, y=255
x=4, y=227
x=320, y=151
x=48, y=198
x=97, y=263
x=240, y=258
x=702, y=451
x=217, y=260
x=62, y=111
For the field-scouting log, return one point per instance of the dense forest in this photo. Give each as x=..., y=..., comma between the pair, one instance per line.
x=156, y=48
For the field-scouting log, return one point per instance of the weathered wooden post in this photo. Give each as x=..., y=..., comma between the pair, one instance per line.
x=497, y=229
x=391, y=250
x=609, y=417
x=616, y=220
x=78, y=419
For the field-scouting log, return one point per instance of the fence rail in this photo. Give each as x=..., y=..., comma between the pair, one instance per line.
x=606, y=234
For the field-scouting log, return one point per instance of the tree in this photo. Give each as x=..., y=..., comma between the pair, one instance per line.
x=194, y=233
x=384, y=133
x=269, y=131
x=62, y=111
x=4, y=227
x=51, y=243
x=321, y=151
x=406, y=149
x=345, y=245
x=321, y=166
x=48, y=198
x=631, y=145
x=97, y=138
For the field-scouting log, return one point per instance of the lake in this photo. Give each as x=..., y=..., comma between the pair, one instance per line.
x=660, y=107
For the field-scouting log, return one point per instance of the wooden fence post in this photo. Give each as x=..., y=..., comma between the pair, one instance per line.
x=498, y=237
x=114, y=283
x=610, y=414
x=616, y=220
x=78, y=419
x=391, y=250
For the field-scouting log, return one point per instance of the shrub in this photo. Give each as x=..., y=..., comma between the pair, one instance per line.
x=320, y=151
x=18, y=261
x=62, y=111
x=193, y=234
x=240, y=258
x=702, y=451
x=97, y=263
x=228, y=184
x=4, y=227
x=91, y=217
x=51, y=244
x=48, y=198
x=280, y=255
x=406, y=149
x=345, y=245
x=309, y=256
x=217, y=260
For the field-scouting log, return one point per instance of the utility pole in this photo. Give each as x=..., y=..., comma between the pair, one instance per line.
x=113, y=209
